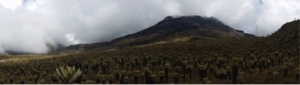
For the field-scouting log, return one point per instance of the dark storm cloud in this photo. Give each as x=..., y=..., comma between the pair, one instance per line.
x=27, y=28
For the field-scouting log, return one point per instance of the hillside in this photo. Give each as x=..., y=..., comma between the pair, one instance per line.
x=171, y=29
x=288, y=33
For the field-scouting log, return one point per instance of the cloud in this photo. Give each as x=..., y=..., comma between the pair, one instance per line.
x=12, y=4
x=2, y=51
x=29, y=25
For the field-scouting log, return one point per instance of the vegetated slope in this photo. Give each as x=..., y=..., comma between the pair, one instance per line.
x=260, y=60
x=171, y=29
x=286, y=37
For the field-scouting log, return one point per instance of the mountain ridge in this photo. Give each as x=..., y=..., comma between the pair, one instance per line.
x=170, y=29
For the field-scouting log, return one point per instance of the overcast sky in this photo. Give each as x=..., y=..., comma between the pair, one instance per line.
x=27, y=25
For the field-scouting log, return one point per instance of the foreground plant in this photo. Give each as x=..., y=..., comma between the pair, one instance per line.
x=297, y=73
x=136, y=76
x=68, y=74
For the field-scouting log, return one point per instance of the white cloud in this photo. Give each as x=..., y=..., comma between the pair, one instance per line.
x=71, y=38
x=172, y=8
x=11, y=4
x=27, y=27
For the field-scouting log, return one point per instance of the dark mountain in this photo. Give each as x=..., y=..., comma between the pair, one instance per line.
x=171, y=29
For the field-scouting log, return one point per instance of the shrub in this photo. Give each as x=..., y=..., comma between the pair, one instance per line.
x=68, y=74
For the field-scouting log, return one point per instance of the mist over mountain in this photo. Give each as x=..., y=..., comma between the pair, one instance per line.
x=149, y=41
x=168, y=30
x=30, y=26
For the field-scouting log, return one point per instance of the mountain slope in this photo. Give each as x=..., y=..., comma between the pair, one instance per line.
x=181, y=29
x=172, y=29
x=286, y=37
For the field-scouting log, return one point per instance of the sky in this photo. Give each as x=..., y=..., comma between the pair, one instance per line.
x=29, y=25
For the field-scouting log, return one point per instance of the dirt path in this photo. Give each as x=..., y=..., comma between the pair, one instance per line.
x=25, y=58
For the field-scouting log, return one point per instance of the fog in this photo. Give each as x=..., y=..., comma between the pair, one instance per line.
x=29, y=25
